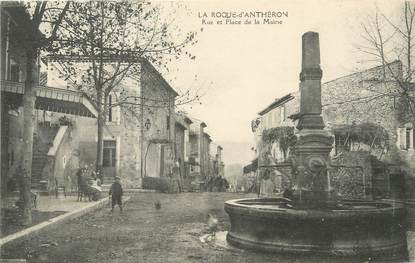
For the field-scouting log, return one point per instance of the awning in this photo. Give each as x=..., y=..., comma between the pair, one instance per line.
x=252, y=167
x=55, y=99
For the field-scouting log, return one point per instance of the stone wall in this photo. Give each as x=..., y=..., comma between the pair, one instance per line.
x=355, y=99
x=351, y=175
x=157, y=107
x=125, y=130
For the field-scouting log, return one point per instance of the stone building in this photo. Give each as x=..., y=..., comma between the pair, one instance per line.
x=58, y=142
x=181, y=143
x=351, y=105
x=205, y=160
x=216, y=164
x=139, y=132
x=196, y=155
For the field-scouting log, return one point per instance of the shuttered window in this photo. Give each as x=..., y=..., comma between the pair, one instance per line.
x=405, y=138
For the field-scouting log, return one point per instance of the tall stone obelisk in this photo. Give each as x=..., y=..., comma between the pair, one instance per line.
x=310, y=86
x=311, y=152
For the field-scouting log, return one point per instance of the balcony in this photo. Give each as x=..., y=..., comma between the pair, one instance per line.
x=55, y=99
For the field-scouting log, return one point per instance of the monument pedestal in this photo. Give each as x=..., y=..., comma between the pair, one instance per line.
x=311, y=158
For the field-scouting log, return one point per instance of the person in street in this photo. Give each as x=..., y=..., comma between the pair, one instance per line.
x=176, y=175
x=79, y=175
x=116, y=193
x=95, y=188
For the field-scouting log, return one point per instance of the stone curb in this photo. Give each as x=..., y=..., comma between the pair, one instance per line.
x=56, y=220
x=139, y=190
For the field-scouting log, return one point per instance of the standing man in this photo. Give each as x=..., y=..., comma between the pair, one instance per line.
x=116, y=193
x=176, y=175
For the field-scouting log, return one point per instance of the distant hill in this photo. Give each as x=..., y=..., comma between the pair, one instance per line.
x=237, y=152
x=233, y=171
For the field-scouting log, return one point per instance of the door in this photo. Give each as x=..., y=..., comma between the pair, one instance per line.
x=109, y=160
x=162, y=161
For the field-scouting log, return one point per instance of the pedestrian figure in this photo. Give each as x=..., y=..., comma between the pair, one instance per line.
x=176, y=175
x=79, y=175
x=116, y=194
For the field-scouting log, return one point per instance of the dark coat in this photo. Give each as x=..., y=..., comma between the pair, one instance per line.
x=116, y=189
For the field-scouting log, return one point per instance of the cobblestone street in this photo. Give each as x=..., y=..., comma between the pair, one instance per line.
x=143, y=234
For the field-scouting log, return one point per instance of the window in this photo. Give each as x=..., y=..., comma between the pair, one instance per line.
x=168, y=122
x=109, y=154
x=113, y=113
x=406, y=137
x=15, y=73
x=109, y=119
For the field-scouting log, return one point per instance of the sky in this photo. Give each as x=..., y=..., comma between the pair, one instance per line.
x=243, y=68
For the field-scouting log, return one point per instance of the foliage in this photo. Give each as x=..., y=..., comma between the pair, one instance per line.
x=283, y=135
x=100, y=43
x=367, y=133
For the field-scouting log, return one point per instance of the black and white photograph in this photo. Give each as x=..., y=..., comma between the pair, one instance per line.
x=207, y=131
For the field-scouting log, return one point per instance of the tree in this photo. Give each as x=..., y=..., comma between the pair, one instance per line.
x=283, y=135
x=28, y=35
x=100, y=43
x=386, y=40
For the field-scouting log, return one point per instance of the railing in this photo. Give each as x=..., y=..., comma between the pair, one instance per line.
x=12, y=86
x=52, y=93
x=57, y=141
x=42, y=91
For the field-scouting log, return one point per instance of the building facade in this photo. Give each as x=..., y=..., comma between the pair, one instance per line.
x=58, y=115
x=139, y=132
x=353, y=107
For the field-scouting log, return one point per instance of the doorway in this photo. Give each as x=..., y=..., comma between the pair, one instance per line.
x=109, y=160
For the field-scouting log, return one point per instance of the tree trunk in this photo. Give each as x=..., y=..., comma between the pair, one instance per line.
x=100, y=120
x=29, y=97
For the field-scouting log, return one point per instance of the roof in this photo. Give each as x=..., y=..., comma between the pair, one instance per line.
x=252, y=167
x=397, y=62
x=179, y=120
x=145, y=62
x=56, y=100
x=196, y=123
x=207, y=135
x=276, y=103
x=182, y=119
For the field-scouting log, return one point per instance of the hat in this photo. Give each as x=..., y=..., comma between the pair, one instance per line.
x=117, y=178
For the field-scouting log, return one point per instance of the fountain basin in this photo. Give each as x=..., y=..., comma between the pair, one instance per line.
x=351, y=228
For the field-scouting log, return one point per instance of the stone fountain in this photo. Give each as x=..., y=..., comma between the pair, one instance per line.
x=314, y=221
